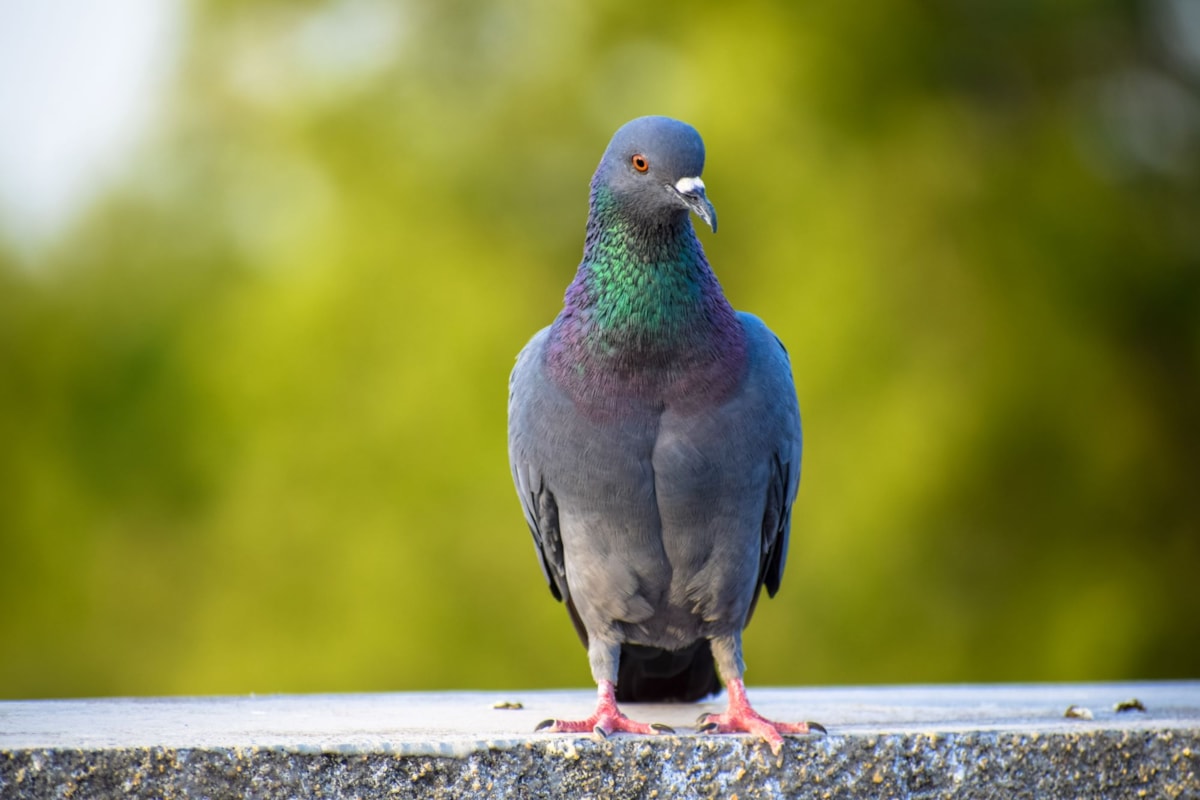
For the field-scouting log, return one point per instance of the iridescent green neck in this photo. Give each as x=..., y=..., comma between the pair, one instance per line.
x=645, y=319
x=644, y=309
x=644, y=285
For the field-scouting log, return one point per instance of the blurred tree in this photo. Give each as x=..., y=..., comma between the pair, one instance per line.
x=252, y=406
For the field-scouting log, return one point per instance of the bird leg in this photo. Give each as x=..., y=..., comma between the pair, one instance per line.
x=739, y=717
x=607, y=719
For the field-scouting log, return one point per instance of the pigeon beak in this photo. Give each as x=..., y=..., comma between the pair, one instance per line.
x=691, y=192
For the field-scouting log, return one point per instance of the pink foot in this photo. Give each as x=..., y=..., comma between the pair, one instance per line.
x=739, y=717
x=607, y=719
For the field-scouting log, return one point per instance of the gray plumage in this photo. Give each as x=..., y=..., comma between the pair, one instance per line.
x=654, y=434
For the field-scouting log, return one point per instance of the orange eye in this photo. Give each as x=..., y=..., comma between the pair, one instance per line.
x=640, y=162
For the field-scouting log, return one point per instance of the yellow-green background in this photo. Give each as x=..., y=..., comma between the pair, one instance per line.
x=252, y=403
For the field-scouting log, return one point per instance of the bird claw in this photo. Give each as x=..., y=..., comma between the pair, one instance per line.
x=621, y=723
x=752, y=723
x=740, y=717
x=605, y=721
x=816, y=727
x=602, y=725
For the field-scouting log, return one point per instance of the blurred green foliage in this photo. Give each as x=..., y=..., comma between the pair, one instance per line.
x=252, y=406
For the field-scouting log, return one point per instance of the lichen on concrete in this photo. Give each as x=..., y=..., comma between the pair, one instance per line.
x=982, y=764
x=916, y=743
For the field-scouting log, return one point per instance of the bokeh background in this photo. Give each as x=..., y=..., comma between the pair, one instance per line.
x=264, y=268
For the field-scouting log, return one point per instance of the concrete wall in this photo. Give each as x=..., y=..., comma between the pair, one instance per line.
x=898, y=742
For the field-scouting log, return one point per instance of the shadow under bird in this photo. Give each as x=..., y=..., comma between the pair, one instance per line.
x=654, y=439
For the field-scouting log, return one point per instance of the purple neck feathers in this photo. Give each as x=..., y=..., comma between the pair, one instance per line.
x=644, y=321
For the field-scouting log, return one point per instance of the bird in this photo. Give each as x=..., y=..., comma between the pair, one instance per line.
x=654, y=440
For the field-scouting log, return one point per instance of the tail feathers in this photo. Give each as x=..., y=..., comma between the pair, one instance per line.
x=652, y=675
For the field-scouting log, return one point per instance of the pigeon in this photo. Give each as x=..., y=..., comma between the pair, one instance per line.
x=654, y=440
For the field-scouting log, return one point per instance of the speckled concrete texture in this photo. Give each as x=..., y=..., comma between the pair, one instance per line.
x=884, y=742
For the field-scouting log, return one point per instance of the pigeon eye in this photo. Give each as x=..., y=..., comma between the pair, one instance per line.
x=640, y=162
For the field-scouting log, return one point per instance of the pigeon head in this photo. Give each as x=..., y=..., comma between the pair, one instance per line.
x=650, y=173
